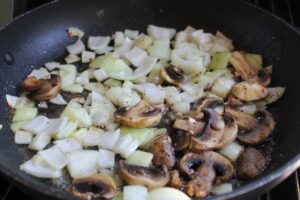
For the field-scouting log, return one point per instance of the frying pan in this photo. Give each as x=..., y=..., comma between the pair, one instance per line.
x=40, y=36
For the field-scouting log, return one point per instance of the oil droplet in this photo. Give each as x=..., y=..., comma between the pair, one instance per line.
x=8, y=58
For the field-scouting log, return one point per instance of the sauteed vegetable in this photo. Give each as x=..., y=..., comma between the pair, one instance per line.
x=162, y=115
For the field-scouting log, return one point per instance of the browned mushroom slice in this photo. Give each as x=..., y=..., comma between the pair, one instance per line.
x=253, y=129
x=205, y=168
x=209, y=102
x=175, y=180
x=250, y=164
x=163, y=151
x=189, y=124
x=211, y=134
x=173, y=75
x=263, y=76
x=181, y=139
x=139, y=116
x=247, y=91
x=152, y=177
x=97, y=186
x=230, y=131
x=41, y=89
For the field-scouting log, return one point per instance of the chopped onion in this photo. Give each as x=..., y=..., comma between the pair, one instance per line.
x=76, y=113
x=126, y=145
x=109, y=140
x=68, y=75
x=72, y=59
x=41, y=73
x=125, y=47
x=65, y=130
x=159, y=33
x=160, y=49
x=119, y=38
x=68, y=145
x=40, y=141
x=183, y=107
x=248, y=108
x=92, y=137
x=135, y=192
x=73, y=31
x=37, y=125
x=97, y=87
x=75, y=88
x=52, y=65
x=98, y=42
x=203, y=40
x=42, y=104
x=82, y=163
x=11, y=100
x=132, y=34
x=58, y=99
x=143, y=41
x=83, y=78
x=232, y=151
x=23, y=114
x=22, y=137
x=54, y=157
x=221, y=189
x=87, y=56
x=114, y=94
x=167, y=193
x=139, y=158
x=100, y=75
x=181, y=37
x=136, y=56
x=105, y=50
x=151, y=93
x=274, y=94
x=106, y=159
x=76, y=48
x=15, y=126
x=40, y=171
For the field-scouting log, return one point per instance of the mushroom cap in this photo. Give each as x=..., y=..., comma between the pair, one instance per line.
x=251, y=163
x=263, y=76
x=248, y=91
x=211, y=134
x=191, y=162
x=173, y=75
x=152, y=177
x=141, y=115
x=253, y=129
x=189, y=124
x=97, y=186
x=41, y=89
x=163, y=151
x=208, y=102
x=230, y=131
x=181, y=139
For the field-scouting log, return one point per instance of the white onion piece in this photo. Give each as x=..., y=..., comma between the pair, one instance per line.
x=1, y=126
x=109, y=140
x=151, y=93
x=87, y=56
x=104, y=50
x=73, y=31
x=83, y=78
x=274, y=94
x=221, y=189
x=159, y=33
x=181, y=37
x=132, y=34
x=82, y=163
x=41, y=73
x=68, y=75
x=231, y=151
x=68, y=145
x=114, y=94
x=22, y=137
x=72, y=59
x=59, y=100
x=100, y=75
x=75, y=88
x=119, y=38
x=42, y=104
x=135, y=192
x=37, y=125
x=98, y=42
x=248, y=108
x=54, y=157
x=76, y=48
x=94, y=86
x=125, y=47
x=140, y=158
x=160, y=49
x=106, y=159
x=172, y=95
x=39, y=171
x=76, y=113
x=167, y=193
x=39, y=142
x=65, y=130
x=203, y=40
x=183, y=107
x=92, y=137
x=135, y=56
x=189, y=29
x=11, y=100
x=52, y=65
x=126, y=145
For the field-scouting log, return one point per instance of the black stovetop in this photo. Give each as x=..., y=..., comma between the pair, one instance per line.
x=286, y=9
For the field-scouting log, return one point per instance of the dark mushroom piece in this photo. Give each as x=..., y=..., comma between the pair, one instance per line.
x=41, y=89
x=253, y=129
x=97, y=186
x=209, y=102
x=141, y=115
x=189, y=124
x=250, y=164
x=230, y=131
x=204, y=169
x=173, y=75
x=211, y=134
x=180, y=139
x=175, y=180
x=152, y=177
x=163, y=151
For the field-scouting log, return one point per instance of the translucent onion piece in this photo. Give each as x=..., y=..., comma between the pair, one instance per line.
x=52, y=65
x=106, y=159
x=136, y=56
x=54, y=157
x=39, y=171
x=135, y=192
x=68, y=145
x=87, y=56
x=98, y=42
x=221, y=189
x=76, y=48
x=132, y=34
x=22, y=137
x=159, y=33
x=59, y=100
x=40, y=73
x=83, y=78
x=37, y=125
x=73, y=31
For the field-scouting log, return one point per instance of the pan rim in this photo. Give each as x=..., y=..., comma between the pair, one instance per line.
x=280, y=173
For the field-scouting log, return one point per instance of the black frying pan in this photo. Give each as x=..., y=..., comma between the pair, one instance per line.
x=40, y=36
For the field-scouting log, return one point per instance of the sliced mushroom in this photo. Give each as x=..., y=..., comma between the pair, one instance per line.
x=97, y=186
x=163, y=151
x=205, y=168
x=173, y=75
x=139, y=116
x=41, y=89
x=247, y=91
x=189, y=124
x=250, y=164
x=211, y=134
x=230, y=131
x=253, y=129
x=181, y=139
x=209, y=102
x=152, y=177
x=175, y=180
x=263, y=76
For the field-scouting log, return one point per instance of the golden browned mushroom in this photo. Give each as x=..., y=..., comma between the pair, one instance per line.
x=204, y=169
x=139, y=116
x=208, y=102
x=173, y=75
x=230, y=131
x=189, y=124
x=41, y=89
x=163, y=151
x=175, y=180
x=97, y=186
x=211, y=134
x=152, y=177
x=248, y=91
x=253, y=129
